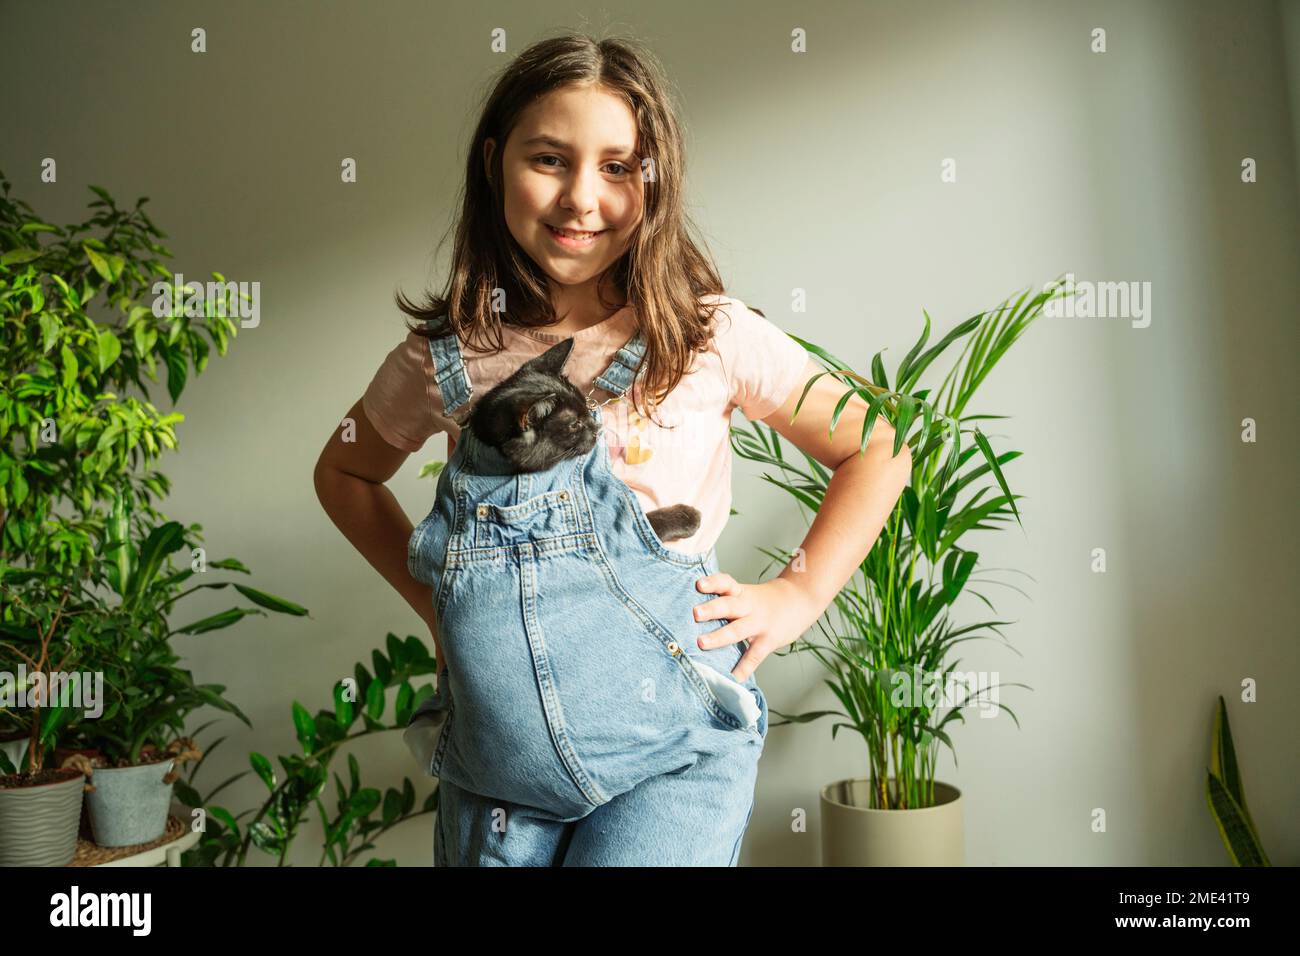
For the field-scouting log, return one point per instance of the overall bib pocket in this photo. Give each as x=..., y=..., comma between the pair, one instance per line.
x=548, y=515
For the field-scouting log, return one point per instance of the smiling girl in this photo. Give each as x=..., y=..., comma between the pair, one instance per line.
x=607, y=715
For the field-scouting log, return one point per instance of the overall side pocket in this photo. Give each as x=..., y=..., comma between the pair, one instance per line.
x=737, y=701
x=428, y=723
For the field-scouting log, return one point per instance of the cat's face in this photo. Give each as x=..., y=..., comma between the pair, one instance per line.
x=536, y=417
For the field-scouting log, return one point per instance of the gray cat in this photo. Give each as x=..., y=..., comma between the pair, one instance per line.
x=537, y=418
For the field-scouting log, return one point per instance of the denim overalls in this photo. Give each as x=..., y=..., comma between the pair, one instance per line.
x=576, y=721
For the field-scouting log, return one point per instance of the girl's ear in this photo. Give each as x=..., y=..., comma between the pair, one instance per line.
x=489, y=147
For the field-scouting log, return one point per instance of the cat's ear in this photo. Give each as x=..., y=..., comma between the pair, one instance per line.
x=553, y=359
x=534, y=413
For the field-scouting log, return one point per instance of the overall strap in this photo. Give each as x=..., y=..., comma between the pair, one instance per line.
x=451, y=375
x=456, y=389
x=620, y=375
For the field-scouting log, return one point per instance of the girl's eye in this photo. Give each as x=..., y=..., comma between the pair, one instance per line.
x=623, y=170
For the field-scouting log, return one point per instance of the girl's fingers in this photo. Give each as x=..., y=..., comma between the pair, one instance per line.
x=748, y=663
x=727, y=606
x=727, y=634
x=720, y=583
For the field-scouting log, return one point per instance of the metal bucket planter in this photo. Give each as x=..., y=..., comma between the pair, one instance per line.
x=38, y=825
x=129, y=804
x=854, y=834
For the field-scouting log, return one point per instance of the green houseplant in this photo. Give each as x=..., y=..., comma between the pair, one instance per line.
x=1226, y=795
x=86, y=575
x=361, y=813
x=886, y=640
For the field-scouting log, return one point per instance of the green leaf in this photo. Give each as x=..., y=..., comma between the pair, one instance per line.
x=270, y=601
x=19, y=256
x=305, y=726
x=992, y=459
x=99, y=262
x=50, y=328
x=396, y=650
x=70, y=367
x=118, y=546
x=907, y=406
x=177, y=370
x=1237, y=833
x=1223, y=760
x=216, y=622
x=263, y=768
x=375, y=700
x=108, y=349
x=344, y=710
x=162, y=541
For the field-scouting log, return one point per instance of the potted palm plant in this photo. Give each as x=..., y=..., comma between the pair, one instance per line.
x=887, y=639
x=85, y=557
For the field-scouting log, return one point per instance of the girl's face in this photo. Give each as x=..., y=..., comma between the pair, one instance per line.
x=571, y=163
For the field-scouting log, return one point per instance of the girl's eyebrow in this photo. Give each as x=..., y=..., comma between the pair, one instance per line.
x=545, y=140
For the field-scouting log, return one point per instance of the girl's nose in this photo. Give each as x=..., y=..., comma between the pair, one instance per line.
x=580, y=192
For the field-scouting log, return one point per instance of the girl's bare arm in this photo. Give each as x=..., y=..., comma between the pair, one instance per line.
x=349, y=480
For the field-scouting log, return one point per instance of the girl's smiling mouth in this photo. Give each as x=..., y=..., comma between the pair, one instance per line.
x=573, y=240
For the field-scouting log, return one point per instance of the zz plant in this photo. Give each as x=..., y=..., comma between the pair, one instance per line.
x=361, y=814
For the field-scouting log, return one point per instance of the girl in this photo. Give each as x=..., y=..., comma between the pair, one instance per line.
x=605, y=715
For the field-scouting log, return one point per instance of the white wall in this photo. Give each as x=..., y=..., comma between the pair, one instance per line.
x=819, y=172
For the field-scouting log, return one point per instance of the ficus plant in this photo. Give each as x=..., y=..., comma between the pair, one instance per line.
x=888, y=638
x=90, y=316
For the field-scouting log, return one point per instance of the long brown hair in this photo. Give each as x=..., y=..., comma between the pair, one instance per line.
x=663, y=274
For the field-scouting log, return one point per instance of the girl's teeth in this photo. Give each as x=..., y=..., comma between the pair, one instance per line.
x=574, y=235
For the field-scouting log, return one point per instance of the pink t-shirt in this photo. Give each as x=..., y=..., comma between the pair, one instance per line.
x=750, y=364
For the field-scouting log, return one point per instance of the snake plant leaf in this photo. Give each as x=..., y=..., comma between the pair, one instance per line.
x=1237, y=833
x=1223, y=768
